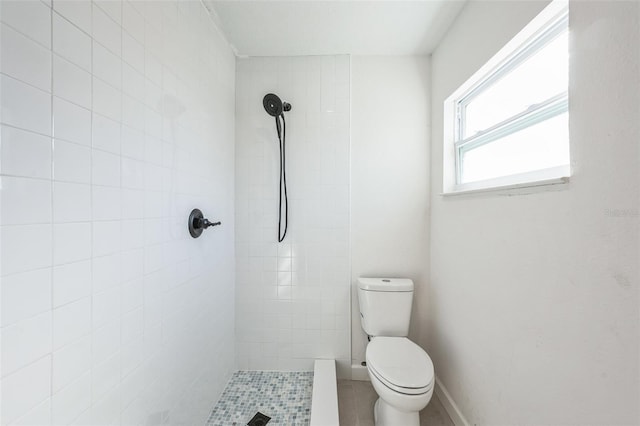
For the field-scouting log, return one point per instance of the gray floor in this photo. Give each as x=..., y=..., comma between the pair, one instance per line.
x=356, y=399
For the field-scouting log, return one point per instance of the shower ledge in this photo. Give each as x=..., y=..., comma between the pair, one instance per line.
x=324, y=400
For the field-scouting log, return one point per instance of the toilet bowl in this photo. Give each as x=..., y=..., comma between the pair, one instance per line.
x=401, y=371
x=402, y=375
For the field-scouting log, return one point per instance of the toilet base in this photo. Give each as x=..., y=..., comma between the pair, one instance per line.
x=386, y=415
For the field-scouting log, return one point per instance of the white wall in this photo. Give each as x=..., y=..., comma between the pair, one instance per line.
x=390, y=130
x=534, y=296
x=293, y=297
x=117, y=120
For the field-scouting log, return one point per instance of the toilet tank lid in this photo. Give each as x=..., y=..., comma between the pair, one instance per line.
x=385, y=284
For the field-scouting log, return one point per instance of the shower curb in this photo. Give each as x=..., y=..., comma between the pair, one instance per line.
x=324, y=401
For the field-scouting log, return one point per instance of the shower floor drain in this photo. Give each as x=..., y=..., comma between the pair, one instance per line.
x=259, y=420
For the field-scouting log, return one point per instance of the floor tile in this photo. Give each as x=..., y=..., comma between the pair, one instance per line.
x=283, y=396
x=356, y=400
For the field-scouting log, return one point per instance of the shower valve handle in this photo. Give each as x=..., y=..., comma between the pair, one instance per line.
x=204, y=223
x=198, y=223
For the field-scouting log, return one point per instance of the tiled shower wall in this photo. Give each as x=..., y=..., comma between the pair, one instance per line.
x=292, y=298
x=117, y=120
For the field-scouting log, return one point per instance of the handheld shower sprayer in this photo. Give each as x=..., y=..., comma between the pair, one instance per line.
x=276, y=108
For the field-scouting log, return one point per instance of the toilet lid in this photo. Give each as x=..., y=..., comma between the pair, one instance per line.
x=400, y=364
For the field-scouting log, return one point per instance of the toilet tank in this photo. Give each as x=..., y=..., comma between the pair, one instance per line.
x=385, y=305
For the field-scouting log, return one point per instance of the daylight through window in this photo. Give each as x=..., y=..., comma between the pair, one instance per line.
x=512, y=120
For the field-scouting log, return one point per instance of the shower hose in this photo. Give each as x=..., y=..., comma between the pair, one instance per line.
x=282, y=130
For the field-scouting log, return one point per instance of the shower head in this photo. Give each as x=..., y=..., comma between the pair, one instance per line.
x=274, y=106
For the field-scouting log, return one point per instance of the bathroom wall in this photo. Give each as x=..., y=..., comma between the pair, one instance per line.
x=117, y=120
x=293, y=298
x=390, y=132
x=534, y=310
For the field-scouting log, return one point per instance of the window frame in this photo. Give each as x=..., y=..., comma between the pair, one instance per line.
x=541, y=31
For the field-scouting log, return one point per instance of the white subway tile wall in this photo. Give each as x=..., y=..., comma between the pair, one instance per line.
x=116, y=120
x=293, y=298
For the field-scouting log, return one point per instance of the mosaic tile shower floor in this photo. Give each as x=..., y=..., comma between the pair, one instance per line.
x=283, y=396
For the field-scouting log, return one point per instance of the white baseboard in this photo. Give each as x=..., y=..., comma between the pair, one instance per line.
x=359, y=372
x=450, y=405
x=324, y=398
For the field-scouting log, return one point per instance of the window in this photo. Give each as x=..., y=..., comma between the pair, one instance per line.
x=508, y=124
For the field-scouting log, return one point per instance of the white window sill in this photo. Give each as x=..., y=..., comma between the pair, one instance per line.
x=541, y=178
x=556, y=181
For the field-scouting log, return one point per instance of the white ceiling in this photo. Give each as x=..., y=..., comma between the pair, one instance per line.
x=307, y=27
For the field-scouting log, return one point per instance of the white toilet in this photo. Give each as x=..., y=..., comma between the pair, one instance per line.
x=401, y=371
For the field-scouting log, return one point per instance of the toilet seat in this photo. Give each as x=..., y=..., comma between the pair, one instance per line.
x=400, y=364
